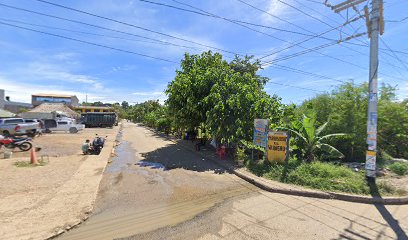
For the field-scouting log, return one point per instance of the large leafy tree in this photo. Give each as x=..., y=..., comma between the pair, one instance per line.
x=224, y=98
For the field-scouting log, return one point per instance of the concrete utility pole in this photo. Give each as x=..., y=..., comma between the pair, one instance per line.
x=373, y=33
x=375, y=27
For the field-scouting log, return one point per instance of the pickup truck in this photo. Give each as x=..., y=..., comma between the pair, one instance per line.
x=67, y=126
x=17, y=126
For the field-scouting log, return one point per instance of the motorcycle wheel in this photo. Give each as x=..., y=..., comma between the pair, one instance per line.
x=25, y=146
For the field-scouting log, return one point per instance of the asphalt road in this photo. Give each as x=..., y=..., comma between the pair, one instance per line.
x=156, y=189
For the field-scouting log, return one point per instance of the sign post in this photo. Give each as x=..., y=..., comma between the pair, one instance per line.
x=278, y=147
x=260, y=132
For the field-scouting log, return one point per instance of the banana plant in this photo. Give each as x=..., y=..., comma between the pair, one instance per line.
x=309, y=139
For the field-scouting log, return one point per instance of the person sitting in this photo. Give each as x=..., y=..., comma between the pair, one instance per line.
x=85, y=147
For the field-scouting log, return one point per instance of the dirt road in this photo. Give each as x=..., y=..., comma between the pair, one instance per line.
x=38, y=202
x=155, y=189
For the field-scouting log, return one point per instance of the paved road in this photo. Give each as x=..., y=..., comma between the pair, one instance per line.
x=192, y=198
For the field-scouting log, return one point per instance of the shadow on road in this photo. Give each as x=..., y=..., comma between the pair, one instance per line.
x=391, y=221
x=354, y=230
x=175, y=156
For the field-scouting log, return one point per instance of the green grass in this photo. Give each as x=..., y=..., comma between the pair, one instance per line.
x=399, y=168
x=28, y=164
x=319, y=175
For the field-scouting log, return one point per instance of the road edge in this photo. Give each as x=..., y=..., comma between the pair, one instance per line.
x=107, y=153
x=277, y=187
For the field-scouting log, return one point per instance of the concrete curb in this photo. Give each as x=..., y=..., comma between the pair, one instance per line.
x=272, y=186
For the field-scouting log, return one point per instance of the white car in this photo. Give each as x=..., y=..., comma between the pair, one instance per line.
x=68, y=126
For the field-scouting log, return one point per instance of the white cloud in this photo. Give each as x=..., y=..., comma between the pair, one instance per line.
x=275, y=8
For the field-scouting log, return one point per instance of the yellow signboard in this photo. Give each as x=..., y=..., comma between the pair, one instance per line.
x=277, y=146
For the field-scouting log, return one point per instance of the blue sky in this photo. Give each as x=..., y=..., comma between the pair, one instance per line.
x=32, y=62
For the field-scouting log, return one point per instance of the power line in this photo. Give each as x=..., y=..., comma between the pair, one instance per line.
x=395, y=55
x=104, y=28
x=139, y=54
x=397, y=21
x=291, y=69
x=308, y=50
x=347, y=21
x=92, y=26
x=154, y=41
x=223, y=18
x=303, y=88
x=297, y=54
x=134, y=26
x=89, y=43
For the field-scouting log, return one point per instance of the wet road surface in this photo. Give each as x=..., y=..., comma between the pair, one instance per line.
x=153, y=183
x=155, y=189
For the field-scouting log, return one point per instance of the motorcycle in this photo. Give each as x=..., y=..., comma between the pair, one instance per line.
x=24, y=144
x=97, y=145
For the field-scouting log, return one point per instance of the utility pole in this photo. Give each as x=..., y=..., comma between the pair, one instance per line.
x=375, y=27
x=375, y=22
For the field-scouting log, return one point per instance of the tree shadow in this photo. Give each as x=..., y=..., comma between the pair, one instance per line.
x=387, y=216
x=175, y=156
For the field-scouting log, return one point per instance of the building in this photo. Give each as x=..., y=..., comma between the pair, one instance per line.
x=85, y=109
x=69, y=100
x=15, y=107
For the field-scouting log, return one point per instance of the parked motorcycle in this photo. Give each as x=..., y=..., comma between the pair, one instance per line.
x=24, y=144
x=97, y=145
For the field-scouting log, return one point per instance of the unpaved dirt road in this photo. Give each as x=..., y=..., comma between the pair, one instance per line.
x=156, y=189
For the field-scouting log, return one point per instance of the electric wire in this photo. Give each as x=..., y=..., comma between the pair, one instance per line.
x=135, y=53
x=105, y=28
x=154, y=41
x=132, y=25
x=89, y=43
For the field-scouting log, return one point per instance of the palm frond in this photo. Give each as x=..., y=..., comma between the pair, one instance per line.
x=295, y=132
x=321, y=129
x=332, y=151
x=332, y=135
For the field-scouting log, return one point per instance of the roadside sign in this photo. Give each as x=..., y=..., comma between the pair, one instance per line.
x=277, y=146
x=370, y=160
x=260, y=132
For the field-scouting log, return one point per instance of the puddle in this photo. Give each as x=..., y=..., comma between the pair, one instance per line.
x=152, y=165
x=125, y=156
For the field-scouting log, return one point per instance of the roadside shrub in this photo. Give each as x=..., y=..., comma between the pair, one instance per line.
x=399, y=168
x=240, y=154
x=328, y=177
x=258, y=168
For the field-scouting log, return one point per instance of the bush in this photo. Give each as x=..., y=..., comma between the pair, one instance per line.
x=328, y=177
x=399, y=168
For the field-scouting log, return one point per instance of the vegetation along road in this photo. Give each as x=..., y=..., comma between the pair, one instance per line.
x=157, y=189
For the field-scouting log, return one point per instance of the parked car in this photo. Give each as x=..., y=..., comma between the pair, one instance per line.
x=18, y=127
x=95, y=119
x=67, y=126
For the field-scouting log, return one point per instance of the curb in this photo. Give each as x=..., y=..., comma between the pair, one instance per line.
x=263, y=184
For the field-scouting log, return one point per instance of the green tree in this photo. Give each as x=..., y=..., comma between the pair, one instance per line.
x=224, y=98
x=346, y=111
x=125, y=105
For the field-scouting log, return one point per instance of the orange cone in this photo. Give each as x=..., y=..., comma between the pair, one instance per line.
x=33, y=157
